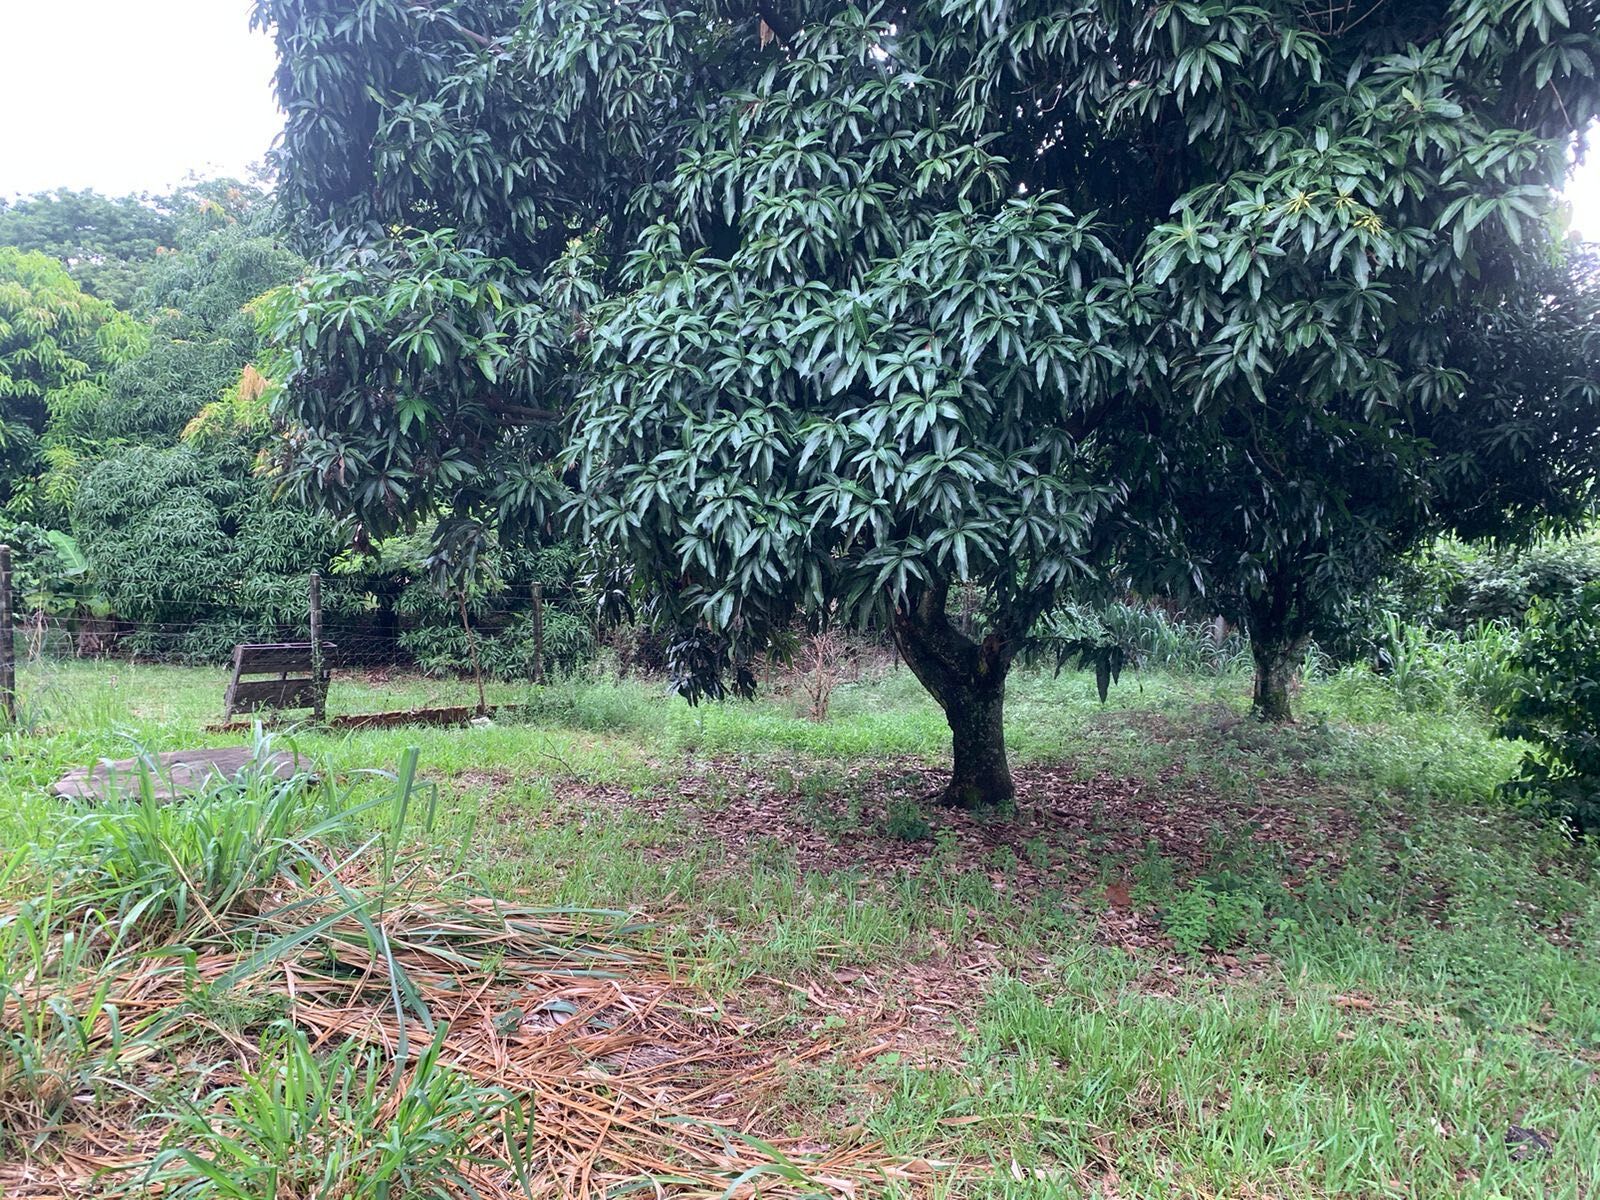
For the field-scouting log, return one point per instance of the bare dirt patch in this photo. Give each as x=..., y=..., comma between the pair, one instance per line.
x=1076, y=836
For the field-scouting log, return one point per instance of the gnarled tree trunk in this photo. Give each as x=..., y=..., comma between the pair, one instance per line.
x=968, y=679
x=1278, y=636
x=1276, y=662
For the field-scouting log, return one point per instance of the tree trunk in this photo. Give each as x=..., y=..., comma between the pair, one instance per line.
x=1278, y=626
x=1276, y=662
x=968, y=679
x=981, y=777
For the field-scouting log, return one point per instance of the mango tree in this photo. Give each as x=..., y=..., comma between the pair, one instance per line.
x=838, y=307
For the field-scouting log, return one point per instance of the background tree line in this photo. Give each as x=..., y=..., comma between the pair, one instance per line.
x=135, y=445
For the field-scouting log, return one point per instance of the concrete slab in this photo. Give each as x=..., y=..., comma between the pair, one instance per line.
x=177, y=773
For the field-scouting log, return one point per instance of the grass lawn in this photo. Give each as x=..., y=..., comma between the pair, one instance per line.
x=1202, y=958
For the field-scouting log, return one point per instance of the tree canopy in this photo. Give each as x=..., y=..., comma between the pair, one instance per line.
x=57, y=345
x=106, y=244
x=834, y=306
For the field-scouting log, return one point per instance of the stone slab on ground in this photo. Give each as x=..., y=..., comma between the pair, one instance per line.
x=177, y=773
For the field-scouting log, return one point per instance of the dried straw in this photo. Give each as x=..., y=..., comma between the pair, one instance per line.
x=626, y=1078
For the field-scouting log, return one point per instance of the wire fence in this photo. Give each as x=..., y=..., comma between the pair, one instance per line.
x=508, y=641
x=374, y=652
x=448, y=659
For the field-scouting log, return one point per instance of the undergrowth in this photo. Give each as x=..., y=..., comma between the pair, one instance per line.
x=1408, y=1007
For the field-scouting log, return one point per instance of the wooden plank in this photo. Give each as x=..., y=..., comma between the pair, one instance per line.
x=460, y=715
x=233, y=684
x=263, y=659
x=273, y=693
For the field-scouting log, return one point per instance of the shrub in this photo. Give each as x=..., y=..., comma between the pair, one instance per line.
x=1555, y=707
x=304, y=1125
x=1198, y=917
x=505, y=653
x=1454, y=586
x=1457, y=588
x=186, y=546
x=1505, y=586
x=1151, y=638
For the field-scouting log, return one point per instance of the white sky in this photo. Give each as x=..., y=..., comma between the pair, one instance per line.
x=131, y=95
x=136, y=95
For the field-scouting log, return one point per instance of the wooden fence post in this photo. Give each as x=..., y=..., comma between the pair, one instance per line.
x=319, y=669
x=538, y=633
x=472, y=648
x=8, y=641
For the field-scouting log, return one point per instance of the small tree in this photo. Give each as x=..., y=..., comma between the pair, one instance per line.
x=827, y=304
x=56, y=346
x=1286, y=508
x=1555, y=707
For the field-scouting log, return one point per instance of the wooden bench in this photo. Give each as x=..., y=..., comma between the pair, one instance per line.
x=302, y=678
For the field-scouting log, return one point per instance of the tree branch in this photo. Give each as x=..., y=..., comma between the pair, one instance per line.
x=522, y=412
x=782, y=27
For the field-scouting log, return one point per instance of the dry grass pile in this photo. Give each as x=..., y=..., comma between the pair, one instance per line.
x=366, y=1025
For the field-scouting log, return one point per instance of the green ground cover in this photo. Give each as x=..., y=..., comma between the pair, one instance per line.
x=1202, y=958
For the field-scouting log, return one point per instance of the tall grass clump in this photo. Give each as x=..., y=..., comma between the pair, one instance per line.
x=128, y=897
x=64, y=1041
x=1439, y=668
x=1419, y=670
x=341, y=1124
x=155, y=865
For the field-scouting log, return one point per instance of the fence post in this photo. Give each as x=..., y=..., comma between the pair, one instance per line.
x=319, y=671
x=8, y=641
x=538, y=633
x=472, y=648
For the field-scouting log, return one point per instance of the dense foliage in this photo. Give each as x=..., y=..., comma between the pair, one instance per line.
x=139, y=496
x=1454, y=586
x=57, y=346
x=106, y=244
x=844, y=305
x=1556, y=707
x=426, y=609
x=1298, y=512
x=179, y=540
x=192, y=550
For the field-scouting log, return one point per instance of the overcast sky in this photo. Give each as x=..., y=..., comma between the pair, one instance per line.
x=135, y=95
x=131, y=95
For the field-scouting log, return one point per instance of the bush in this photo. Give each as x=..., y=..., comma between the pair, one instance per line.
x=1555, y=706
x=188, y=546
x=1454, y=586
x=904, y=820
x=506, y=652
x=1455, y=589
x=1505, y=587
x=1152, y=638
